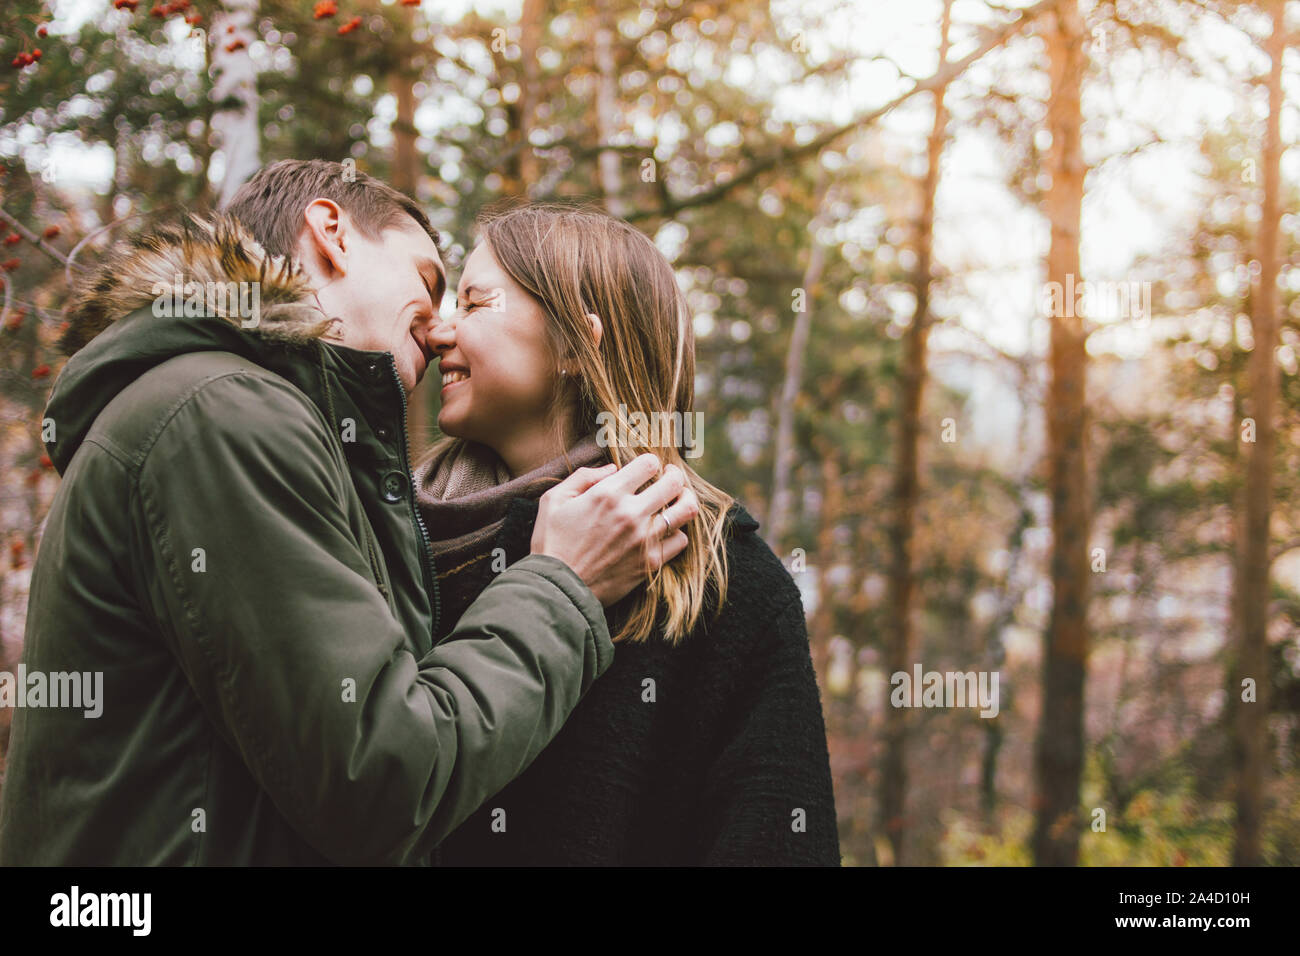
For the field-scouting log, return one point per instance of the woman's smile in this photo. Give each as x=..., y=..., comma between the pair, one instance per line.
x=452, y=376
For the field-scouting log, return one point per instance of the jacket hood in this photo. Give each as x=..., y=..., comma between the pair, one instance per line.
x=197, y=285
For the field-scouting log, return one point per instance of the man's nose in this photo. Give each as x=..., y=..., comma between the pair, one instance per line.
x=442, y=336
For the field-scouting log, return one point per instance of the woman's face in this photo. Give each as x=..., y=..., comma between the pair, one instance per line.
x=498, y=375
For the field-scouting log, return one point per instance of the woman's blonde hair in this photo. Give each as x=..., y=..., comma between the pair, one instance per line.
x=574, y=261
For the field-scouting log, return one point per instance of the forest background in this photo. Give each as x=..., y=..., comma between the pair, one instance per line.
x=997, y=311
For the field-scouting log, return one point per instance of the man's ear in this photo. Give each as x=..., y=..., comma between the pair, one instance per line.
x=325, y=237
x=596, y=328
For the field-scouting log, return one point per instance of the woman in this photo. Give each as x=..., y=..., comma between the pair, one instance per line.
x=704, y=741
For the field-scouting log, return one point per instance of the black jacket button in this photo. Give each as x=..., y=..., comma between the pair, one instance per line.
x=393, y=486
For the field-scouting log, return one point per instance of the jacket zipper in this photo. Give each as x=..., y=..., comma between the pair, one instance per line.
x=426, y=562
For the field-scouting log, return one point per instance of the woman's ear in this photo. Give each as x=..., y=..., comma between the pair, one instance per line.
x=596, y=328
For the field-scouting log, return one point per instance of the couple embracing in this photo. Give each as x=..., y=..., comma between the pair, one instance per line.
x=532, y=647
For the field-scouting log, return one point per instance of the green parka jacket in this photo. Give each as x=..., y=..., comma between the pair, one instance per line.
x=234, y=548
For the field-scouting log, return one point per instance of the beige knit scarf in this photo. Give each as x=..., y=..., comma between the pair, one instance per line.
x=465, y=490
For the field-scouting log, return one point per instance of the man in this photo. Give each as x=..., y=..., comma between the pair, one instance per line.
x=235, y=549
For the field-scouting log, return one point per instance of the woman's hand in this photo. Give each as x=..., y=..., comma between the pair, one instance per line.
x=611, y=535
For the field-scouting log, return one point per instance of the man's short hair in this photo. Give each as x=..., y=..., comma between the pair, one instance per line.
x=270, y=205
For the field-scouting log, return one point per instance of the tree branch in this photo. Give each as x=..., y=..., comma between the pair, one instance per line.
x=1286, y=547
x=31, y=237
x=941, y=77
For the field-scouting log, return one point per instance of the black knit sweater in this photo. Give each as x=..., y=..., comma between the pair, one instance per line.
x=711, y=752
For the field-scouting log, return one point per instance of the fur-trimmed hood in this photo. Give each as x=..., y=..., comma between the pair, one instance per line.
x=163, y=293
x=218, y=250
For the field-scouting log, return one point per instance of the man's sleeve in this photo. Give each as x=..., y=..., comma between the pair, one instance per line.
x=768, y=799
x=268, y=597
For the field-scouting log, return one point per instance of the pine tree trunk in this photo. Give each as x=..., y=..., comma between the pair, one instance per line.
x=781, y=508
x=1251, y=582
x=406, y=178
x=608, y=160
x=531, y=20
x=906, y=484
x=1058, y=757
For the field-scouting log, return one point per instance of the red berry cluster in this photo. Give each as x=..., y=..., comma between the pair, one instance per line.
x=161, y=11
x=26, y=59
x=164, y=10
x=329, y=8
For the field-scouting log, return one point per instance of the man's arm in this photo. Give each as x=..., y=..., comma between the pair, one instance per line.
x=267, y=597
